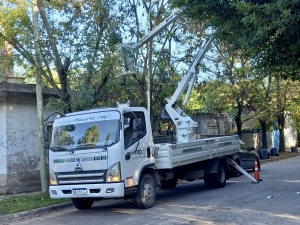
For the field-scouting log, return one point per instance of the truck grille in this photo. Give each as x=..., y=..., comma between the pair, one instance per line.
x=82, y=177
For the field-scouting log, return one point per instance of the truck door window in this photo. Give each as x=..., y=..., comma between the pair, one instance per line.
x=132, y=135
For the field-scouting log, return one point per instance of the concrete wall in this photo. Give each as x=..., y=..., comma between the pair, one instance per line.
x=209, y=124
x=3, y=147
x=19, y=146
x=22, y=145
x=290, y=135
x=254, y=140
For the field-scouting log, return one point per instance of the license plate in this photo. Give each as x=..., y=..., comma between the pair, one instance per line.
x=79, y=191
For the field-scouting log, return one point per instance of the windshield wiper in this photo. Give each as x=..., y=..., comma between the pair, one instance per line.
x=90, y=145
x=61, y=148
x=87, y=145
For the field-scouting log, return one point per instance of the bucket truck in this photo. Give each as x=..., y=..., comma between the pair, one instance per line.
x=109, y=153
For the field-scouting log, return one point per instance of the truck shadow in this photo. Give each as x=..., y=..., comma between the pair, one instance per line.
x=182, y=192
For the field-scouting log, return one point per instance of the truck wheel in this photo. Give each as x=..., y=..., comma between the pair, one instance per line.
x=216, y=180
x=169, y=184
x=208, y=181
x=146, y=193
x=82, y=203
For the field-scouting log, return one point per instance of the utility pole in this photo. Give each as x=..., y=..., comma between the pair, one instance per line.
x=39, y=96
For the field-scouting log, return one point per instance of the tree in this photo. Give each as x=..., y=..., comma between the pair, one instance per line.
x=262, y=105
x=73, y=37
x=157, y=63
x=232, y=92
x=273, y=28
x=266, y=32
x=269, y=29
x=286, y=93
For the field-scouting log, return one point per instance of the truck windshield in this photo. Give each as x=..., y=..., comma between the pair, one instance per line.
x=96, y=134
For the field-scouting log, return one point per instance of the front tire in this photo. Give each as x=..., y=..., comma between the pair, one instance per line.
x=216, y=180
x=146, y=193
x=82, y=203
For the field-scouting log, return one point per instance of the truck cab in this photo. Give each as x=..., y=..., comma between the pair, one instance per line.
x=99, y=153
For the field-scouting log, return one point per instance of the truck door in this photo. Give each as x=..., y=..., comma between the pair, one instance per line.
x=136, y=142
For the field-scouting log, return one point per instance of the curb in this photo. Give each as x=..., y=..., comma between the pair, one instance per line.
x=4, y=220
x=277, y=158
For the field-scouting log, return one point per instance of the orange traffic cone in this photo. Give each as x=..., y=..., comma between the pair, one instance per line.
x=256, y=171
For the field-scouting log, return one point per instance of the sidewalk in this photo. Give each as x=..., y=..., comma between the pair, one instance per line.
x=277, y=158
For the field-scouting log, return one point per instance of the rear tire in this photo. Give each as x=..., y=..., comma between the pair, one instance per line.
x=82, y=203
x=146, y=192
x=216, y=180
x=169, y=184
x=208, y=181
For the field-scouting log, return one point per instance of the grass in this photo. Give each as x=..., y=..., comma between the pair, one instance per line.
x=15, y=204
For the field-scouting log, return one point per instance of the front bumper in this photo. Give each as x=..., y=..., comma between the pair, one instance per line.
x=107, y=190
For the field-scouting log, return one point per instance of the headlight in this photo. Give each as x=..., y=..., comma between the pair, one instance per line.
x=113, y=173
x=53, y=180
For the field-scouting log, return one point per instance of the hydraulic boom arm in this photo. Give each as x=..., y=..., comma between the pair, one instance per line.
x=191, y=73
x=126, y=48
x=185, y=126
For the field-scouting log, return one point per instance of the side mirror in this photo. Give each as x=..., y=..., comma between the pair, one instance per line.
x=46, y=145
x=127, y=156
x=46, y=135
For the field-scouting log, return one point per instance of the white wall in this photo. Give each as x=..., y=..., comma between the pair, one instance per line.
x=3, y=144
x=22, y=145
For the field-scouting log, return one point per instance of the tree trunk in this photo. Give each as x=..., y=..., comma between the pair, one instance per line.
x=238, y=122
x=263, y=134
x=281, y=126
x=39, y=97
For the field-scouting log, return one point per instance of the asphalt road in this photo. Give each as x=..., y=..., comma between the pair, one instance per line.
x=275, y=200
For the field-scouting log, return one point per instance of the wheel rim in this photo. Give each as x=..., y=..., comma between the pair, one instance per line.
x=148, y=191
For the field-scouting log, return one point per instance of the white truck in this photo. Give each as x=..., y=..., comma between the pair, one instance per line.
x=110, y=152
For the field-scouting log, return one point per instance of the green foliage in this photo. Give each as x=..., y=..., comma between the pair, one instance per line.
x=266, y=30
x=216, y=97
x=91, y=136
x=274, y=30
x=62, y=138
x=56, y=104
x=266, y=36
x=15, y=204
